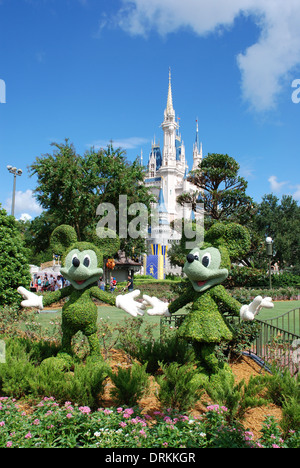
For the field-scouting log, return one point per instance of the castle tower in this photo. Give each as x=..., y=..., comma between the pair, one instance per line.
x=197, y=150
x=169, y=167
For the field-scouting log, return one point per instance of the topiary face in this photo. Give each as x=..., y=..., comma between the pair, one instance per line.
x=82, y=265
x=203, y=268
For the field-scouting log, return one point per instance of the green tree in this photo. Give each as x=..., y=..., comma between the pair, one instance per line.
x=70, y=187
x=281, y=221
x=14, y=269
x=221, y=189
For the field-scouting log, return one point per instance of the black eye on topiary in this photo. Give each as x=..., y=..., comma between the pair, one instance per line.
x=206, y=260
x=76, y=262
x=87, y=261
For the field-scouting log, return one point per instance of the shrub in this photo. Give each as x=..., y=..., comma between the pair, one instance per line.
x=147, y=350
x=179, y=387
x=83, y=386
x=254, y=278
x=281, y=385
x=17, y=373
x=237, y=398
x=130, y=384
x=22, y=375
x=290, y=415
x=14, y=268
x=244, y=333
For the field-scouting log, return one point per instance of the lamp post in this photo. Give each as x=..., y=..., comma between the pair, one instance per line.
x=16, y=172
x=269, y=245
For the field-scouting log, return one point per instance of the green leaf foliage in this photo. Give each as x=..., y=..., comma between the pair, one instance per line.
x=14, y=269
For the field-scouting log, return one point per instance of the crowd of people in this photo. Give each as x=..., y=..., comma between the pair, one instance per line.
x=43, y=283
x=49, y=282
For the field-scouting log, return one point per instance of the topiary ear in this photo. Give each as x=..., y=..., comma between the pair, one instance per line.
x=62, y=238
x=234, y=237
x=107, y=241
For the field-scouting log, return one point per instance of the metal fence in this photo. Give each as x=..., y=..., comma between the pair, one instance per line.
x=278, y=342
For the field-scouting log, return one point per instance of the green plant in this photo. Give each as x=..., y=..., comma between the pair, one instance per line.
x=129, y=384
x=237, y=398
x=169, y=348
x=244, y=335
x=281, y=385
x=14, y=268
x=179, y=386
x=222, y=434
x=290, y=414
x=17, y=373
x=271, y=434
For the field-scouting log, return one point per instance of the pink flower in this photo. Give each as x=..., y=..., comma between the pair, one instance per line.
x=122, y=424
x=28, y=436
x=143, y=433
x=84, y=409
x=2, y=423
x=119, y=410
x=107, y=411
x=69, y=416
x=36, y=422
x=9, y=444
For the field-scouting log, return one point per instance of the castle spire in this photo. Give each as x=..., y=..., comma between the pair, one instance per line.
x=197, y=151
x=170, y=109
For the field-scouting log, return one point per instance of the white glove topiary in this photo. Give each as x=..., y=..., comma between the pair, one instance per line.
x=127, y=303
x=158, y=307
x=248, y=312
x=31, y=299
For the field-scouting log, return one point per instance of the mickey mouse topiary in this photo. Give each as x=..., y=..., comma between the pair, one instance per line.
x=207, y=267
x=82, y=267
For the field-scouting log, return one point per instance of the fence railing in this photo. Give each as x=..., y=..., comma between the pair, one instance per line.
x=278, y=341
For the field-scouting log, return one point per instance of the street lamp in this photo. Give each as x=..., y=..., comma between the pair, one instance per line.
x=16, y=172
x=269, y=245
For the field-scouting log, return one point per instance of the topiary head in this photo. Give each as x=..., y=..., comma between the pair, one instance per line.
x=83, y=261
x=208, y=265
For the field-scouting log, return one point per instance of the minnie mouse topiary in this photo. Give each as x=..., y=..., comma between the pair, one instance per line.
x=207, y=267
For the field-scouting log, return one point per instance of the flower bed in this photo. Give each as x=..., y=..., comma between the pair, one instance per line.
x=69, y=426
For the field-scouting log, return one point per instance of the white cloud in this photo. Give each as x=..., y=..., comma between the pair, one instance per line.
x=25, y=204
x=25, y=217
x=275, y=185
x=264, y=65
x=296, y=195
x=123, y=143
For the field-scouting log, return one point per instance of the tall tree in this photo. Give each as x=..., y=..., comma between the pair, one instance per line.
x=220, y=189
x=281, y=221
x=70, y=187
x=14, y=268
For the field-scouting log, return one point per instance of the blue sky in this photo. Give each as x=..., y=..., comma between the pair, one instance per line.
x=97, y=70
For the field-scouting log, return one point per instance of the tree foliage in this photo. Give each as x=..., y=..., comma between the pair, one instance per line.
x=281, y=221
x=14, y=269
x=70, y=187
x=221, y=189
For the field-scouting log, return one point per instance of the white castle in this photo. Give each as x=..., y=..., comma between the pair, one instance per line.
x=166, y=177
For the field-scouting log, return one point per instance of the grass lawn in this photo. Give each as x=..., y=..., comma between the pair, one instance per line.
x=116, y=316
x=108, y=313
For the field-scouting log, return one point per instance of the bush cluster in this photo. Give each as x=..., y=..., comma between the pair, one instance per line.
x=29, y=374
x=254, y=278
x=49, y=424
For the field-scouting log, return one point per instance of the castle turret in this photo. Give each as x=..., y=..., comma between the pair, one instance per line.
x=197, y=150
